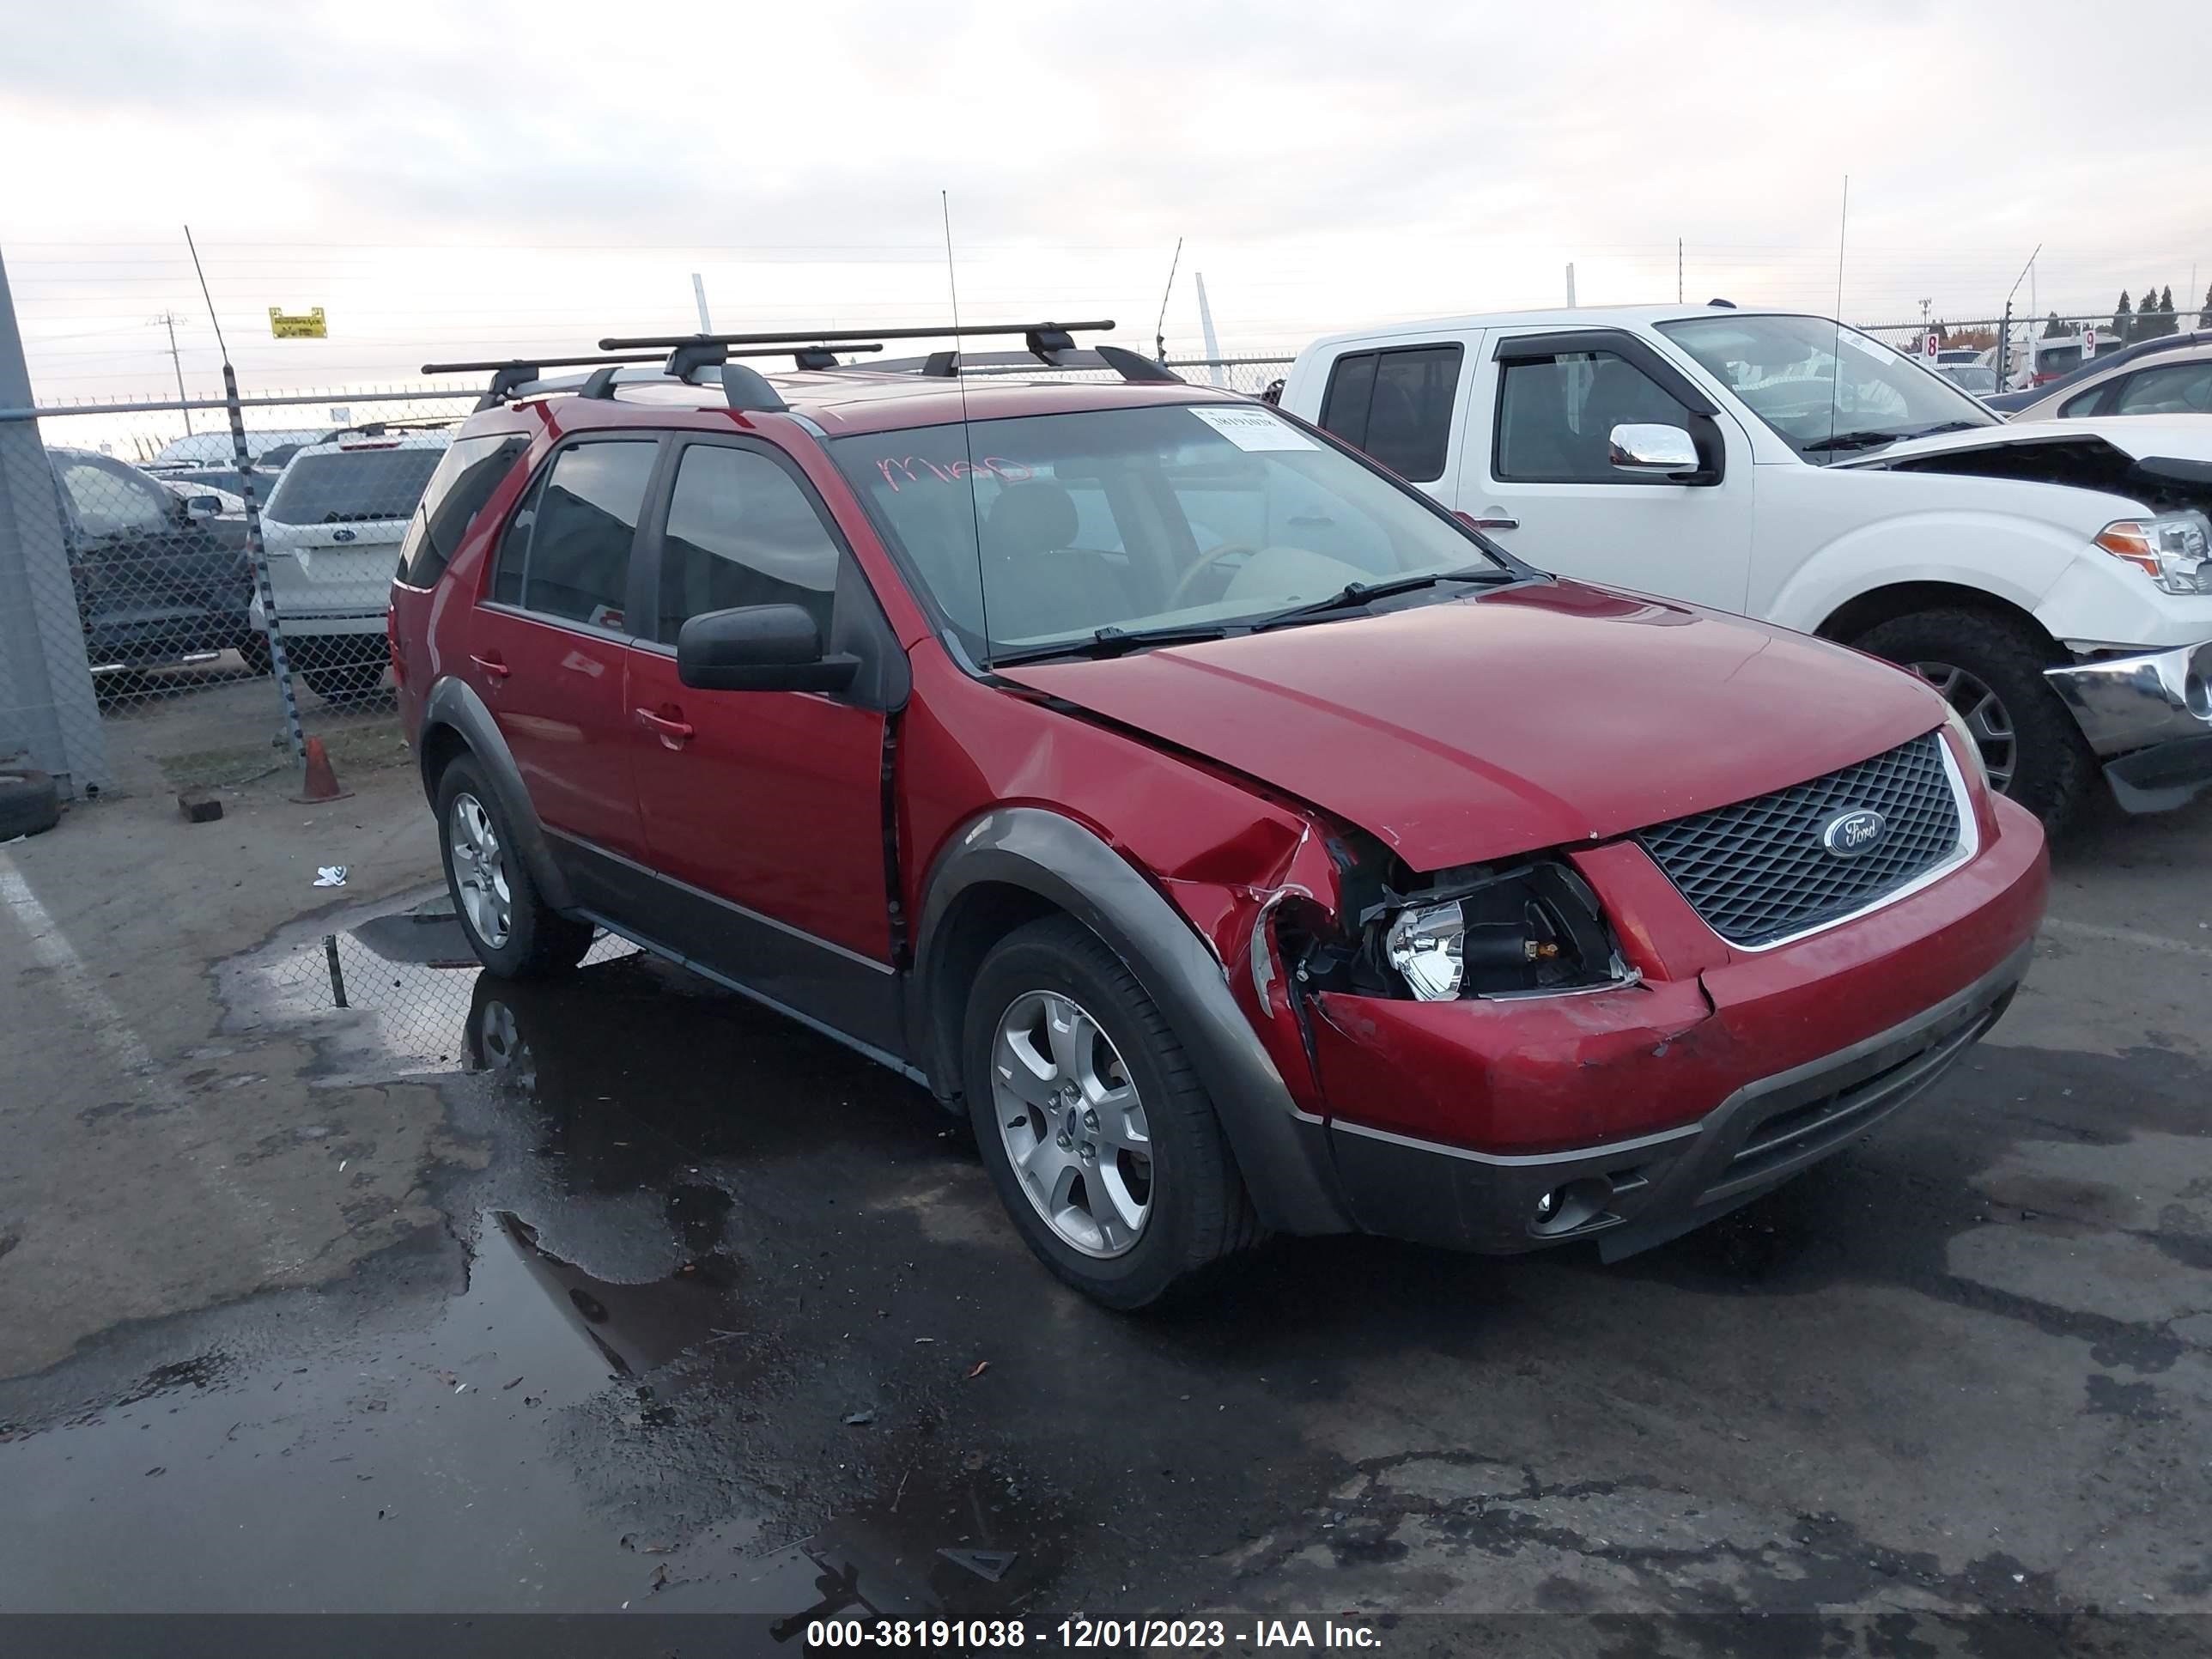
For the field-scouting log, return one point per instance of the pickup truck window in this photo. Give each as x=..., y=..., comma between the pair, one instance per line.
x=1826, y=390
x=1556, y=414
x=1396, y=405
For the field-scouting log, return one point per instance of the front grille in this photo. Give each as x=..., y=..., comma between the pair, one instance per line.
x=1758, y=871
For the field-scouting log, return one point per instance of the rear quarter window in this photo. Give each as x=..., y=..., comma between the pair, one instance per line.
x=1396, y=405
x=457, y=492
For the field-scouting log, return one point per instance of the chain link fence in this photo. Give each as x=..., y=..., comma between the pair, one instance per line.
x=210, y=666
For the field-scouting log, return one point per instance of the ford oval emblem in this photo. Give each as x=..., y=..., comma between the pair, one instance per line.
x=1847, y=835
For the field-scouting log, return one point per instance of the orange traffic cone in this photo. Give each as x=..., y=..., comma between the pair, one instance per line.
x=320, y=782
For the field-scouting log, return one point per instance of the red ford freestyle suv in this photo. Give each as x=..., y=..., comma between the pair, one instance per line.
x=1240, y=841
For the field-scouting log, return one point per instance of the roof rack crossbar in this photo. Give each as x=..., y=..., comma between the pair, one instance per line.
x=945, y=365
x=510, y=374
x=805, y=336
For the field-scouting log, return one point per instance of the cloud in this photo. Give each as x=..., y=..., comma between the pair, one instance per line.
x=1328, y=164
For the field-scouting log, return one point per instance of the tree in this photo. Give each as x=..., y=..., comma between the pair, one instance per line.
x=2166, y=323
x=2147, y=321
x=2053, y=329
x=2204, y=317
x=2123, y=321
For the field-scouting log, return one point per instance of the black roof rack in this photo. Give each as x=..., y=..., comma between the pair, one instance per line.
x=1047, y=342
x=795, y=337
x=510, y=376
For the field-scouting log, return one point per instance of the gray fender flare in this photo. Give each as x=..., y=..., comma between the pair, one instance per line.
x=455, y=703
x=1281, y=1152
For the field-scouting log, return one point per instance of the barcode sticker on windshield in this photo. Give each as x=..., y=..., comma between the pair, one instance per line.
x=1255, y=429
x=1865, y=347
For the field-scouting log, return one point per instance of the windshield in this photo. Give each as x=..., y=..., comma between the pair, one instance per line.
x=1826, y=390
x=353, y=486
x=1139, y=519
x=1971, y=377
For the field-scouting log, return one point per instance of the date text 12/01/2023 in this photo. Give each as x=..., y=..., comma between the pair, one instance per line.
x=1081, y=1633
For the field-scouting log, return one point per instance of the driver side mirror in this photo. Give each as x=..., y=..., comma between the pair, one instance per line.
x=1667, y=451
x=759, y=647
x=202, y=506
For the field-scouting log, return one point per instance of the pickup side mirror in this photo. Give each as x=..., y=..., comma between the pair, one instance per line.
x=202, y=506
x=759, y=647
x=1667, y=451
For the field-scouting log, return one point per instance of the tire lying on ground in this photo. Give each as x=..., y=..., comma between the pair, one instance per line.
x=30, y=801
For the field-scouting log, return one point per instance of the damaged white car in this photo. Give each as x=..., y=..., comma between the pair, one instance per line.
x=2051, y=578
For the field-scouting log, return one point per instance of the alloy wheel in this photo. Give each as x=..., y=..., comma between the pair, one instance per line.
x=480, y=871
x=1987, y=719
x=1072, y=1123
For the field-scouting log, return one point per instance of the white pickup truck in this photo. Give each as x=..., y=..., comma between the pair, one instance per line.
x=2051, y=578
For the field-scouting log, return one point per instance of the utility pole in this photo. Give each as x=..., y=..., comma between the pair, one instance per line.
x=1571, y=285
x=699, y=293
x=1678, y=270
x=168, y=320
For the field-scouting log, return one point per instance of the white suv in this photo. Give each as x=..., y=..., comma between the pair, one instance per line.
x=332, y=527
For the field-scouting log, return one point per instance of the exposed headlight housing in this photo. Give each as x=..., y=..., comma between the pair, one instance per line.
x=1534, y=928
x=2173, y=549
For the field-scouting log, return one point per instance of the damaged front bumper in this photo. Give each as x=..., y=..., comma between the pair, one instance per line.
x=2148, y=717
x=1633, y=1115
x=1638, y=1193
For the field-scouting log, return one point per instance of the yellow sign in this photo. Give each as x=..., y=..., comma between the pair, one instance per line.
x=306, y=326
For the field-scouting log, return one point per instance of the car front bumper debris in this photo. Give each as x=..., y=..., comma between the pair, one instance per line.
x=2148, y=717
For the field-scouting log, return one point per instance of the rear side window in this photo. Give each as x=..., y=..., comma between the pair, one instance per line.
x=741, y=532
x=353, y=486
x=457, y=491
x=567, y=551
x=1397, y=406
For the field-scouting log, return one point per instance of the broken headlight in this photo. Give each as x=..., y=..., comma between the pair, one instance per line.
x=1533, y=928
x=2172, y=550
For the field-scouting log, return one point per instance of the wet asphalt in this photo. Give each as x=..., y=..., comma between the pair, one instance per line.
x=706, y=1314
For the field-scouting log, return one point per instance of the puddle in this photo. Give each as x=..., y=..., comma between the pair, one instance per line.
x=452, y=1469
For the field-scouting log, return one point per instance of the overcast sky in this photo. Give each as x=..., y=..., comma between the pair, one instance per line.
x=471, y=179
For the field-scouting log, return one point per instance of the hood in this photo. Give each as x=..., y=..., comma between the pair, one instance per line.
x=1536, y=717
x=2135, y=436
x=2156, y=461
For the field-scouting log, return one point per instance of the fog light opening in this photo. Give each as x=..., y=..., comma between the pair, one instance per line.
x=1568, y=1208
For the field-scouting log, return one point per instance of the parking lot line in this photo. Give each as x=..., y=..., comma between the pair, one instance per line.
x=97, y=1016
x=2126, y=936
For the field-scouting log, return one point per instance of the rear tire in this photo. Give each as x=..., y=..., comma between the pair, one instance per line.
x=1990, y=670
x=513, y=931
x=1110, y=1119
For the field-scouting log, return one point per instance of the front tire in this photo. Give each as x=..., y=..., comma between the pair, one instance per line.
x=513, y=931
x=1098, y=1135
x=1990, y=670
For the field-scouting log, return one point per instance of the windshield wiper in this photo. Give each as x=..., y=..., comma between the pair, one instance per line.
x=1354, y=595
x=1114, y=641
x=1870, y=439
x=1867, y=440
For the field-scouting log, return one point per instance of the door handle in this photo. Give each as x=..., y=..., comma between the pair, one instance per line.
x=1493, y=517
x=493, y=666
x=673, y=734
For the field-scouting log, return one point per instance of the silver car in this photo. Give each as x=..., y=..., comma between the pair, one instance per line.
x=2178, y=382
